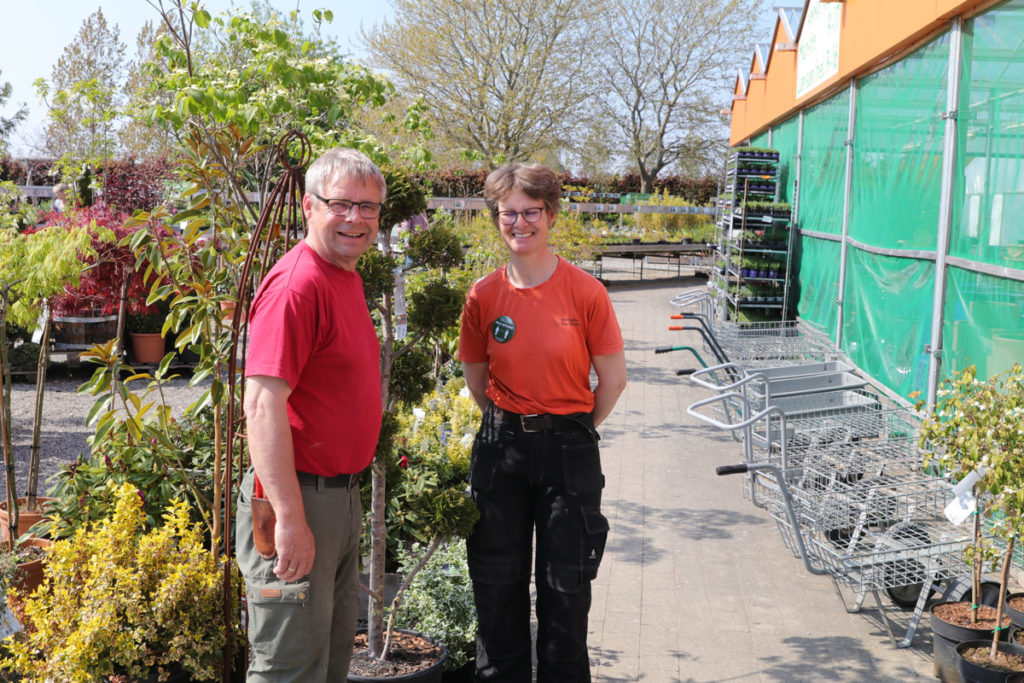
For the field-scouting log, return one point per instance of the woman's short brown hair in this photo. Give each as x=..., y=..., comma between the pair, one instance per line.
x=536, y=181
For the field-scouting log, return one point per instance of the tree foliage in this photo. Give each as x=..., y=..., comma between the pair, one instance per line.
x=668, y=67
x=503, y=78
x=84, y=94
x=7, y=125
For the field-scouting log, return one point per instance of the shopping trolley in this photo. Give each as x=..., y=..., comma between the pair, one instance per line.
x=907, y=544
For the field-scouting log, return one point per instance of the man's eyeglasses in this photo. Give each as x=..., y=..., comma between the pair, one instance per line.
x=343, y=207
x=529, y=215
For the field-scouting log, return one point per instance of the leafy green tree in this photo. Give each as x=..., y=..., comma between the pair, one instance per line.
x=84, y=94
x=140, y=137
x=7, y=125
x=506, y=79
x=33, y=267
x=668, y=65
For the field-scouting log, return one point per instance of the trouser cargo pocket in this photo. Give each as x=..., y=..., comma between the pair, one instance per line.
x=280, y=619
x=592, y=541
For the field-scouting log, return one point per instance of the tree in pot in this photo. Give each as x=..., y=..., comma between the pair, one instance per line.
x=434, y=308
x=33, y=268
x=146, y=331
x=974, y=431
x=1002, y=399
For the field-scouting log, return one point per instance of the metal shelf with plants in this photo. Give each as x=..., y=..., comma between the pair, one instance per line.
x=751, y=273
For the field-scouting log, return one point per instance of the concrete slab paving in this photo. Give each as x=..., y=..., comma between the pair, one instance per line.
x=696, y=584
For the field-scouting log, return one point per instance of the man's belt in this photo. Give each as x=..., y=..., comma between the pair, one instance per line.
x=341, y=481
x=538, y=422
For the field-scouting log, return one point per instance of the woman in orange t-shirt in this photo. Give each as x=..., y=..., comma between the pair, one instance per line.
x=531, y=331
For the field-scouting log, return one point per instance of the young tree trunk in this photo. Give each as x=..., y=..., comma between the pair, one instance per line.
x=37, y=423
x=1003, y=578
x=378, y=501
x=5, y=427
x=976, y=568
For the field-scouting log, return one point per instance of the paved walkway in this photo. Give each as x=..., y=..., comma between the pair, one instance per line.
x=696, y=584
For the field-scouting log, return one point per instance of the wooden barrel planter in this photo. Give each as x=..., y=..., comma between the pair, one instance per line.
x=82, y=332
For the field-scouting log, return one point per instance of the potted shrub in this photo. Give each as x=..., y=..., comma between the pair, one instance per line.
x=146, y=332
x=121, y=600
x=974, y=430
x=999, y=406
x=439, y=601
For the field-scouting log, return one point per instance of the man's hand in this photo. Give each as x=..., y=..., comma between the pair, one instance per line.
x=295, y=550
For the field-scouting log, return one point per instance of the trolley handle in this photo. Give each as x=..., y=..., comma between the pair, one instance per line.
x=722, y=470
x=770, y=410
x=731, y=369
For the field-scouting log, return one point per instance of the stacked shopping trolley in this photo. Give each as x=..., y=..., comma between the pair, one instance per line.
x=836, y=463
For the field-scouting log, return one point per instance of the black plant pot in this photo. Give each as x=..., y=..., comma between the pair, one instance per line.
x=1016, y=616
x=971, y=672
x=464, y=674
x=432, y=674
x=945, y=638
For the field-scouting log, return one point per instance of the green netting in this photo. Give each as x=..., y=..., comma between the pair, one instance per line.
x=818, y=284
x=887, y=318
x=784, y=139
x=983, y=324
x=897, y=159
x=989, y=190
x=823, y=167
x=760, y=140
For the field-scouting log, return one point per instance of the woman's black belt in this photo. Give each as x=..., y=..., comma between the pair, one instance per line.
x=539, y=422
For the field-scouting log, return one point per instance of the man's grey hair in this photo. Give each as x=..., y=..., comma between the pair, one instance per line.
x=347, y=163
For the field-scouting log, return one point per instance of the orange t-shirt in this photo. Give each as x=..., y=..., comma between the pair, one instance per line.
x=538, y=341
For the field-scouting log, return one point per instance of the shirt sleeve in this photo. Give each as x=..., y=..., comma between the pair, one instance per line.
x=472, y=337
x=604, y=337
x=281, y=336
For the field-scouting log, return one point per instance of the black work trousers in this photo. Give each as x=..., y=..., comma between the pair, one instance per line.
x=548, y=483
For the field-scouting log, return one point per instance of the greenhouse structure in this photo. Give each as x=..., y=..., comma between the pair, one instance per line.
x=900, y=127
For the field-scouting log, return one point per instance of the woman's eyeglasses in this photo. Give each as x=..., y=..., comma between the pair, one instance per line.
x=529, y=215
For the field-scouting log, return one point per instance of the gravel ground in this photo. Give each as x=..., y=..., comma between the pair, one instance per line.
x=64, y=432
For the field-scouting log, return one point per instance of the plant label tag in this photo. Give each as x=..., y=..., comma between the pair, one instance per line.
x=960, y=508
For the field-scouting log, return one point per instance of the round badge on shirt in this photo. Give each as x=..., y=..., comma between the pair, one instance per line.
x=503, y=329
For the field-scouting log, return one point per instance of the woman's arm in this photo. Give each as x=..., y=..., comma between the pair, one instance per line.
x=476, y=381
x=611, y=380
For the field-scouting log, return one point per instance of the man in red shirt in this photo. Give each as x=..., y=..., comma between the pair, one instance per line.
x=313, y=411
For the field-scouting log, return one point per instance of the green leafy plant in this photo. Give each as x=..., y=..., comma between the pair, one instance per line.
x=118, y=599
x=439, y=600
x=145, y=323
x=978, y=426
x=33, y=268
x=137, y=441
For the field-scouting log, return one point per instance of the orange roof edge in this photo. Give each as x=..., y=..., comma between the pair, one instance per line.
x=870, y=31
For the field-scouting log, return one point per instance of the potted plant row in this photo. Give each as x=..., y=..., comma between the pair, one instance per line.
x=975, y=435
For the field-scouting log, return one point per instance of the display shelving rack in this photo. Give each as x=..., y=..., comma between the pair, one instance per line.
x=751, y=274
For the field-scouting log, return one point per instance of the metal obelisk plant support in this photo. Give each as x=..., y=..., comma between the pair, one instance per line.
x=280, y=220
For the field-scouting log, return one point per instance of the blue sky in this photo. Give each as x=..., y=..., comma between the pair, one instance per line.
x=35, y=32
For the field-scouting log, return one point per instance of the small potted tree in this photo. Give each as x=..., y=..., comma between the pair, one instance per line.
x=997, y=407
x=406, y=370
x=968, y=434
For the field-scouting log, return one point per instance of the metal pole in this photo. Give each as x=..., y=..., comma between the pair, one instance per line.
x=934, y=349
x=846, y=212
x=794, y=216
